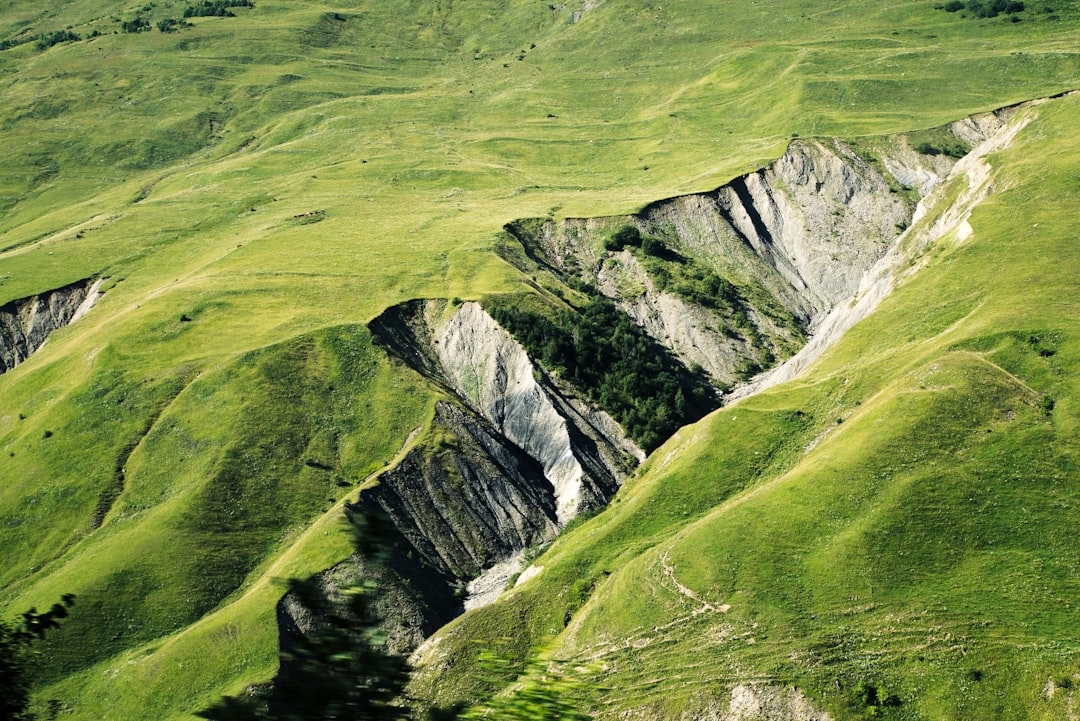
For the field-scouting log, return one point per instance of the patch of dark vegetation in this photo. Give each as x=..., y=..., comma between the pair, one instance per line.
x=984, y=8
x=171, y=25
x=138, y=24
x=954, y=149
x=873, y=698
x=216, y=8
x=629, y=236
x=17, y=653
x=8, y=43
x=340, y=665
x=699, y=285
x=601, y=351
x=46, y=41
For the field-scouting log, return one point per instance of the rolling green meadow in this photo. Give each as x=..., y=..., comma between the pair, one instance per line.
x=892, y=532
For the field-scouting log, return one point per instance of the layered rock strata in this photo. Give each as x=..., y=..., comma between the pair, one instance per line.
x=26, y=323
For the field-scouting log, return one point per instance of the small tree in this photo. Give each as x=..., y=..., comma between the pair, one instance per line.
x=624, y=236
x=652, y=246
x=16, y=641
x=137, y=25
x=171, y=25
x=340, y=669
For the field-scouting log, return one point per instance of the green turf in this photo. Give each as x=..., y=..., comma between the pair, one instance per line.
x=283, y=176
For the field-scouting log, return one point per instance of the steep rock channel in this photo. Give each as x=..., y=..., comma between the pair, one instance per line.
x=26, y=323
x=508, y=459
x=582, y=452
x=496, y=377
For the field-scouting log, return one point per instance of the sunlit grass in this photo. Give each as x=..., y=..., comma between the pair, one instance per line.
x=281, y=177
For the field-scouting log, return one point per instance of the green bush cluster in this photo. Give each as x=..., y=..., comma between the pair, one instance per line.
x=625, y=236
x=695, y=284
x=872, y=698
x=216, y=8
x=983, y=8
x=953, y=150
x=16, y=642
x=171, y=25
x=137, y=25
x=9, y=43
x=615, y=363
x=47, y=40
x=630, y=237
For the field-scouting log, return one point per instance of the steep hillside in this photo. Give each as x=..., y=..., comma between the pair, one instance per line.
x=312, y=253
x=877, y=537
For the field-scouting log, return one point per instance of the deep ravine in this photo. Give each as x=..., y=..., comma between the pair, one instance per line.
x=744, y=285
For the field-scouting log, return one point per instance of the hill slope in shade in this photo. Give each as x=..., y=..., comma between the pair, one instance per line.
x=254, y=191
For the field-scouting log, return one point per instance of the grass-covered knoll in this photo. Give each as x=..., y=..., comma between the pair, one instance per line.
x=186, y=166
x=191, y=509
x=889, y=533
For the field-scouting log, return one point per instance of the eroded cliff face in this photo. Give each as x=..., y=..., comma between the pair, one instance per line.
x=795, y=239
x=496, y=377
x=508, y=459
x=820, y=216
x=695, y=333
x=463, y=500
x=468, y=498
x=26, y=323
x=582, y=452
x=940, y=214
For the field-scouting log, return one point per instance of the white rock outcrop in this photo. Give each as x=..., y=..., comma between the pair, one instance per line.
x=761, y=702
x=492, y=371
x=26, y=323
x=996, y=131
x=511, y=457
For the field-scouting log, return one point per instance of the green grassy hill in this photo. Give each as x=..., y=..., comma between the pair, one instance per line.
x=256, y=188
x=896, y=518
